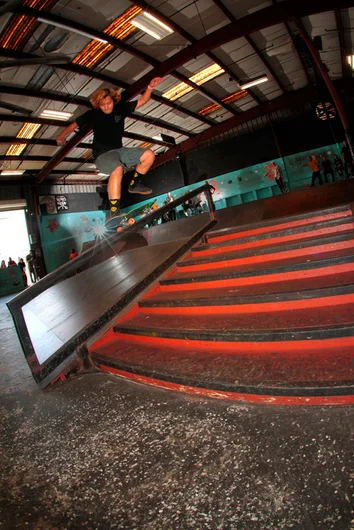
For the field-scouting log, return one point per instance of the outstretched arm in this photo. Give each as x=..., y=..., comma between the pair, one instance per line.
x=61, y=139
x=147, y=94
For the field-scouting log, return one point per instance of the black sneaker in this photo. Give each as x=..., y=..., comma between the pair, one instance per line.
x=139, y=188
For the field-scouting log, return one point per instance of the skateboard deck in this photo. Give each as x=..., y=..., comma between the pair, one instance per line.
x=116, y=224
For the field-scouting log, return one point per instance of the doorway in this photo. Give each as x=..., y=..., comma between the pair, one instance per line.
x=14, y=242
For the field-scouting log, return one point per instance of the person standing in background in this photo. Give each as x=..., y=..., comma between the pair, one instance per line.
x=338, y=166
x=347, y=159
x=316, y=173
x=327, y=168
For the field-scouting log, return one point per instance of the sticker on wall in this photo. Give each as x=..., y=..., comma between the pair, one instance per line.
x=52, y=225
x=47, y=205
x=62, y=203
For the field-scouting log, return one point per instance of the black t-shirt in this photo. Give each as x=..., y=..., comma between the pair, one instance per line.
x=327, y=166
x=107, y=128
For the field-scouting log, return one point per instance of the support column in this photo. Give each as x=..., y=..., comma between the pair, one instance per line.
x=280, y=153
x=336, y=99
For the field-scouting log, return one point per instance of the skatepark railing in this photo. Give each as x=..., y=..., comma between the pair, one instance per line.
x=70, y=268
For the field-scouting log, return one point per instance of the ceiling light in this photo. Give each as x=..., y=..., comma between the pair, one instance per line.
x=235, y=96
x=254, y=82
x=14, y=172
x=120, y=28
x=28, y=130
x=69, y=28
x=199, y=79
x=15, y=149
x=57, y=114
x=151, y=25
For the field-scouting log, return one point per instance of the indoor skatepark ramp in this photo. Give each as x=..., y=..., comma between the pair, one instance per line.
x=56, y=317
x=261, y=313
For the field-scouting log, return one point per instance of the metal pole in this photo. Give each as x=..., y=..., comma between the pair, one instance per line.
x=322, y=69
x=211, y=205
x=280, y=153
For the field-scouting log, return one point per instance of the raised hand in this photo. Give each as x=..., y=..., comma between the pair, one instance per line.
x=156, y=81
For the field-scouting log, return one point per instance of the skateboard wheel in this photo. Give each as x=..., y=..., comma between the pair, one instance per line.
x=131, y=221
x=119, y=228
x=155, y=207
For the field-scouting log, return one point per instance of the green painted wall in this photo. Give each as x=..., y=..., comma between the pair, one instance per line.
x=60, y=233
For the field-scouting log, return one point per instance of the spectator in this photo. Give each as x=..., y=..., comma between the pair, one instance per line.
x=3, y=264
x=347, y=159
x=315, y=166
x=73, y=254
x=275, y=172
x=22, y=266
x=338, y=166
x=327, y=168
x=11, y=263
x=172, y=213
x=30, y=262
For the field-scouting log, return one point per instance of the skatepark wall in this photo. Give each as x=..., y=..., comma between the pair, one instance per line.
x=63, y=231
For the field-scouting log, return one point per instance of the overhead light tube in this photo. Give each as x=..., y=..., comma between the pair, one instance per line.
x=142, y=26
x=14, y=172
x=69, y=28
x=57, y=114
x=254, y=82
x=157, y=21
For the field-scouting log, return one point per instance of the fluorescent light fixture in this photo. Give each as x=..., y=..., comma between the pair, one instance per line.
x=199, y=79
x=151, y=25
x=28, y=130
x=11, y=172
x=350, y=59
x=69, y=28
x=15, y=149
x=141, y=26
x=57, y=114
x=157, y=21
x=254, y=82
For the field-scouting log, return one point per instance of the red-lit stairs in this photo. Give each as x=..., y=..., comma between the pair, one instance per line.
x=260, y=313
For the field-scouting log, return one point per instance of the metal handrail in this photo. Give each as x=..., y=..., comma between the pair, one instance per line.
x=64, y=270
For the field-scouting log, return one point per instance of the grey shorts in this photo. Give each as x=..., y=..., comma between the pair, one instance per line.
x=126, y=157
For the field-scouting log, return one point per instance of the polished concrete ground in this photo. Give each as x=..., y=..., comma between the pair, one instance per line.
x=99, y=453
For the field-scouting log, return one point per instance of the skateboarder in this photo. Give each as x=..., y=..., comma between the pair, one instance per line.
x=107, y=121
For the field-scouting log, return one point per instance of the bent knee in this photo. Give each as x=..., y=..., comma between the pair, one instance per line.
x=150, y=155
x=118, y=172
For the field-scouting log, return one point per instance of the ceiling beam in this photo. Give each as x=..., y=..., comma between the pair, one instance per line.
x=261, y=19
x=253, y=45
x=117, y=43
x=60, y=123
x=77, y=100
x=290, y=33
x=343, y=55
x=60, y=155
x=297, y=97
x=42, y=158
x=37, y=141
x=186, y=35
x=13, y=54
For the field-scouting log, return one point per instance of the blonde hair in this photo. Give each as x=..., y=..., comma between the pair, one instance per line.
x=102, y=93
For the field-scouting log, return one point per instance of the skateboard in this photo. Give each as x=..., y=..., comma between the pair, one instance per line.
x=116, y=224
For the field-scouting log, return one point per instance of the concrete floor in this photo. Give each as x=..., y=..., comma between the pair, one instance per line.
x=101, y=453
